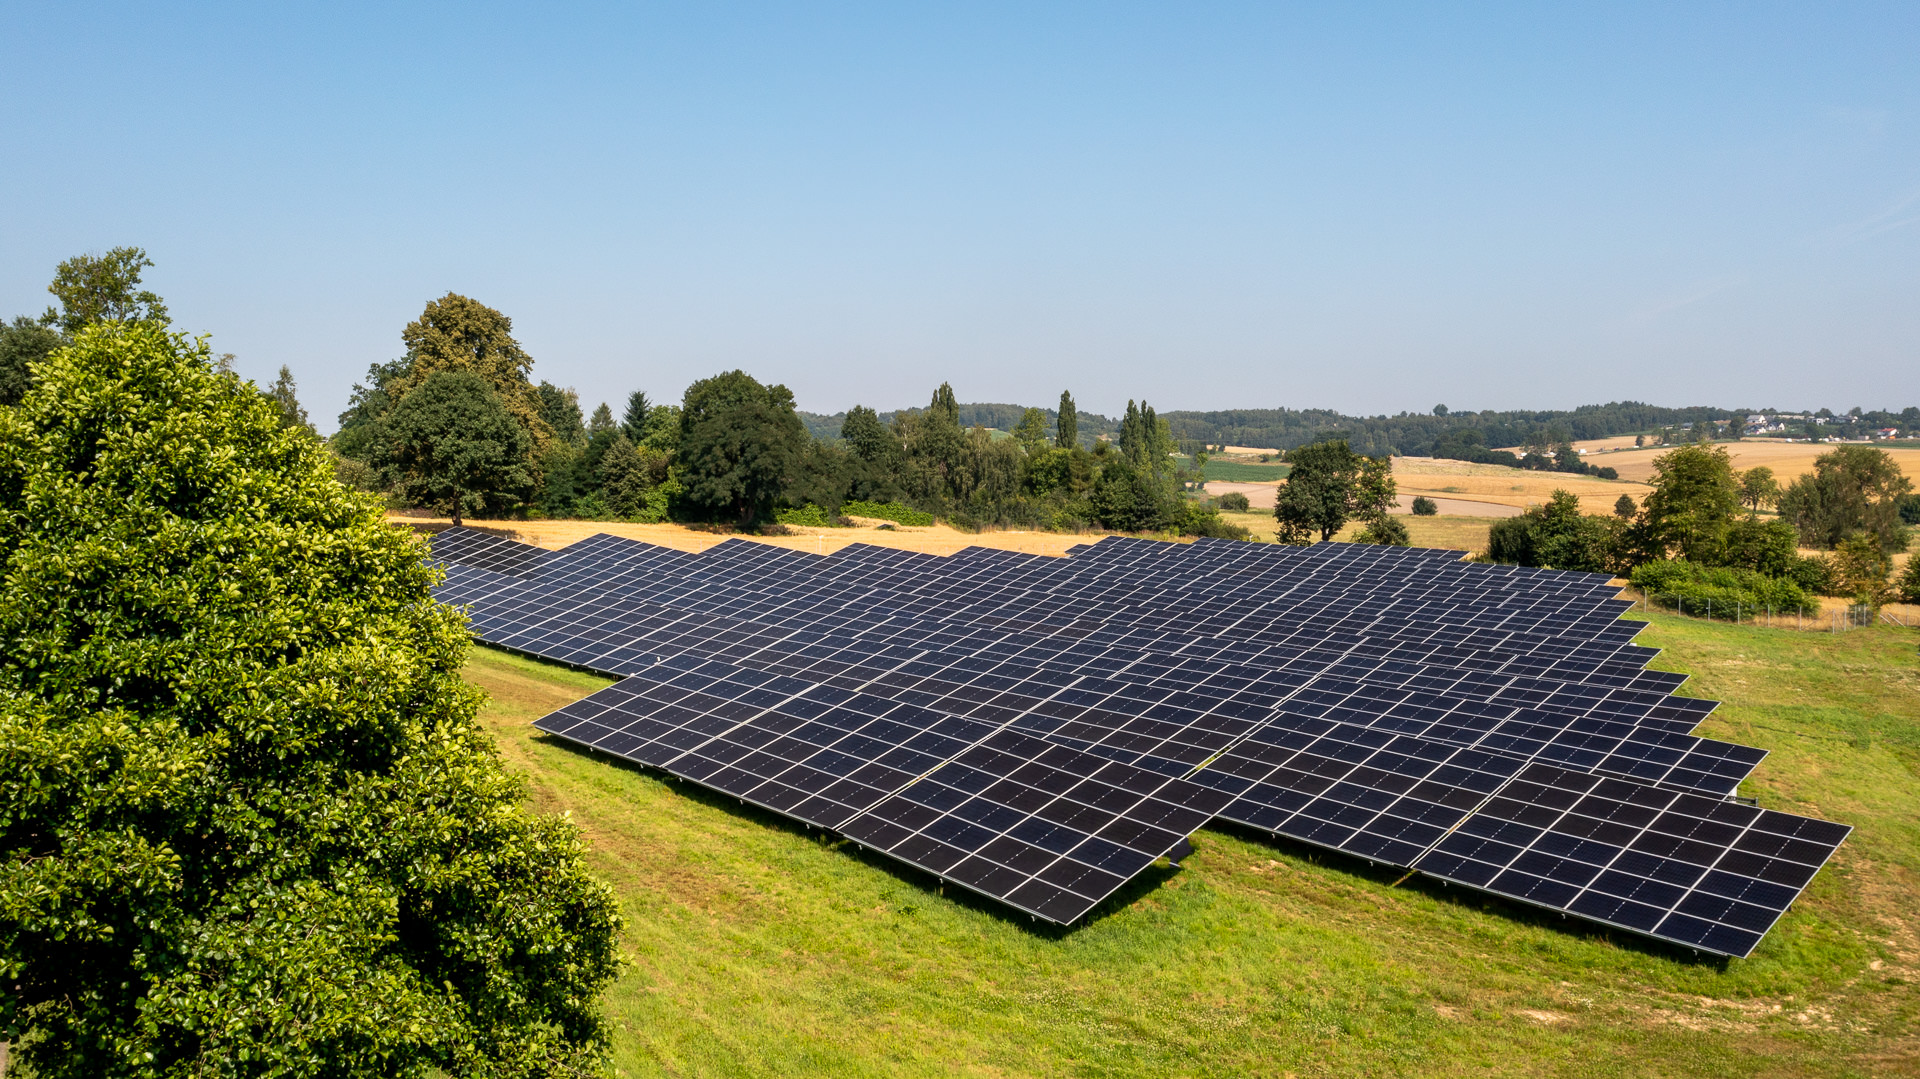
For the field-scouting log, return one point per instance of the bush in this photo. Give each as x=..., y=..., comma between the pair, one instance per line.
x=1385, y=531
x=1607, y=472
x=1198, y=520
x=1425, y=507
x=1235, y=501
x=1813, y=575
x=810, y=515
x=887, y=511
x=1907, y=588
x=1718, y=591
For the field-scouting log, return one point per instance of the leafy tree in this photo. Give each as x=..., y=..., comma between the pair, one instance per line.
x=1624, y=507
x=1239, y=503
x=1861, y=568
x=23, y=344
x=633, y=423
x=1907, y=589
x=1691, y=506
x=1758, y=489
x=103, y=288
x=1424, y=506
x=867, y=438
x=250, y=825
x=288, y=401
x=359, y=424
x=1769, y=547
x=1852, y=489
x=452, y=442
x=1032, y=432
x=560, y=411
x=1328, y=486
x=740, y=442
x=1066, y=423
x=455, y=333
x=1556, y=535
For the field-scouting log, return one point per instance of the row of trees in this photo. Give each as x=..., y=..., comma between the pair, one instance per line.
x=250, y=823
x=457, y=423
x=1703, y=512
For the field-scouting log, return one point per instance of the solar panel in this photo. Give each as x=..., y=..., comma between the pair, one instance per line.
x=975, y=715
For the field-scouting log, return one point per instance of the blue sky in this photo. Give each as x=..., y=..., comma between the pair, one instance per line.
x=1209, y=206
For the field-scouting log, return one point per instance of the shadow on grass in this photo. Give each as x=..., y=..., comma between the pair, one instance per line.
x=925, y=881
x=1463, y=897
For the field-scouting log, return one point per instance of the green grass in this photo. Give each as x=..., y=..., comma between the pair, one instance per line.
x=756, y=948
x=1242, y=471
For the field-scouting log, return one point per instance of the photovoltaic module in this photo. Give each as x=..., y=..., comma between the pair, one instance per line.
x=1041, y=729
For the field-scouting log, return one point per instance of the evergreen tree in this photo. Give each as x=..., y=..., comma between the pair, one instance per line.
x=633, y=423
x=1066, y=423
x=560, y=411
x=284, y=397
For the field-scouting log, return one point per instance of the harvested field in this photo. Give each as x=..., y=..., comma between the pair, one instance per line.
x=1261, y=495
x=1437, y=478
x=1787, y=459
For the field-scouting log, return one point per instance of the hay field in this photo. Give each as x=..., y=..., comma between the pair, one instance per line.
x=1787, y=459
x=1438, y=478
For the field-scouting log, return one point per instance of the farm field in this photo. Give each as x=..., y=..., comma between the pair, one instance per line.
x=932, y=539
x=1787, y=459
x=1246, y=471
x=1460, y=533
x=1438, y=478
x=755, y=948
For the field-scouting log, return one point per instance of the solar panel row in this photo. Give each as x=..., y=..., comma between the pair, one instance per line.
x=1387, y=703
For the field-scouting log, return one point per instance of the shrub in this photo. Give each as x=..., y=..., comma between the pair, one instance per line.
x=1385, y=531
x=1199, y=520
x=887, y=511
x=1861, y=568
x=1907, y=588
x=1718, y=591
x=1813, y=575
x=1607, y=472
x=1236, y=501
x=1425, y=507
x=809, y=515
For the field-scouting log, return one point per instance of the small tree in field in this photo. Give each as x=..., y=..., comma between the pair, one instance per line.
x=451, y=441
x=249, y=825
x=1425, y=507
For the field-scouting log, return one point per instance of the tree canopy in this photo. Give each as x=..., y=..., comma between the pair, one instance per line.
x=1328, y=486
x=451, y=441
x=455, y=333
x=739, y=443
x=1066, y=423
x=250, y=824
x=103, y=288
x=1851, y=489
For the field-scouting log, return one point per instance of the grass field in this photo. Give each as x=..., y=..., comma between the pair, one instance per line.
x=755, y=948
x=1246, y=471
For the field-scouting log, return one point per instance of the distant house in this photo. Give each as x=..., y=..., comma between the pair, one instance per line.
x=1887, y=432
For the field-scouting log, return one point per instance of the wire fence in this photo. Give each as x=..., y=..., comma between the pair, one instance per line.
x=1855, y=616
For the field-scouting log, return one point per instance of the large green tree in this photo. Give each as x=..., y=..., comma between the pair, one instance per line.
x=456, y=333
x=250, y=825
x=740, y=443
x=1852, y=489
x=451, y=442
x=1691, y=507
x=1066, y=423
x=1328, y=486
x=103, y=288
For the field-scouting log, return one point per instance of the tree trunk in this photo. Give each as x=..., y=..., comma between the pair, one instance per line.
x=456, y=508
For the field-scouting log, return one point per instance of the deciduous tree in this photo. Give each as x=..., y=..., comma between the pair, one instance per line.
x=451, y=441
x=739, y=444
x=250, y=825
x=103, y=288
x=1852, y=489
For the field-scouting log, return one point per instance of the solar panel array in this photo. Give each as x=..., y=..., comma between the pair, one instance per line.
x=1042, y=729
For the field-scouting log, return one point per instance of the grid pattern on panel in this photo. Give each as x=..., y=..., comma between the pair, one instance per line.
x=1384, y=702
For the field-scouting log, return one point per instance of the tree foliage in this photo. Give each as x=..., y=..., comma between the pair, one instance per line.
x=740, y=443
x=1066, y=423
x=1852, y=489
x=250, y=825
x=103, y=288
x=455, y=333
x=1556, y=535
x=451, y=442
x=1328, y=486
x=287, y=399
x=23, y=344
x=1691, y=506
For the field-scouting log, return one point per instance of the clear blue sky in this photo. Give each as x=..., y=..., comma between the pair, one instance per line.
x=1211, y=206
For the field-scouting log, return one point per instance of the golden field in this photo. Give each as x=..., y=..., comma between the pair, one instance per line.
x=1440, y=478
x=1787, y=459
x=934, y=539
